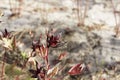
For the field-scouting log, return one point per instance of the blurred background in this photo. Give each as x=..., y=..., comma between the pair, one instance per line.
x=34, y=13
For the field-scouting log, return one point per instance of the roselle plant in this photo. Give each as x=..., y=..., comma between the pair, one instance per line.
x=37, y=62
x=44, y=71
x=15, y=57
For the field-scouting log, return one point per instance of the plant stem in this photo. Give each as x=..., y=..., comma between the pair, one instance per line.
x=2, y=68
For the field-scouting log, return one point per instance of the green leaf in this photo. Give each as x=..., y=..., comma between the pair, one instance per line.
x=24, y=55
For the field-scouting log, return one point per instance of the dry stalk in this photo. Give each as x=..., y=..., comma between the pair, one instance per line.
x=115, y=16
x=81, y=16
